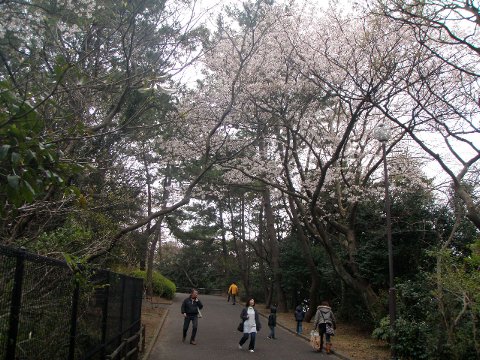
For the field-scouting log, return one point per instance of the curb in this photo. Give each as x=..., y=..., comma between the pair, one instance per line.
x=155, y=336
x=304, y=337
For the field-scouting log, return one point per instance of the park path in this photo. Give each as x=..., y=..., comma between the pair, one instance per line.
x=217, y=336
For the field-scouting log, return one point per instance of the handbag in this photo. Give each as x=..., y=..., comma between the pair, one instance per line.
x=328, y=326
x=240, y=326
x=329, y=329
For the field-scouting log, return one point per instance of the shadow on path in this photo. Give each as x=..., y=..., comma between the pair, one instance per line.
x=217, y=337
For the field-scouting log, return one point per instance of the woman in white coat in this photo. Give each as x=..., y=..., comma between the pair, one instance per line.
x=251, y=324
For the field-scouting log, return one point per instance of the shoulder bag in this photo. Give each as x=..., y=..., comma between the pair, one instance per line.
x=328, y=326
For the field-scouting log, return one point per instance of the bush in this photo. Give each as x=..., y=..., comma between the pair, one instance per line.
x=410, y=337
x=161, y=285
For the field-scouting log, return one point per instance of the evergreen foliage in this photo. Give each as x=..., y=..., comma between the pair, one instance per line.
x=162, y=286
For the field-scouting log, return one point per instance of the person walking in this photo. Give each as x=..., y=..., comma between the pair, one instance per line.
x=251, y=324
x=272, y=321
x=325, y=321
x=190, y=309
x=299, y=316
x=233, y=292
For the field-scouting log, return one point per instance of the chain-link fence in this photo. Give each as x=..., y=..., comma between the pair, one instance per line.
x=48, y=311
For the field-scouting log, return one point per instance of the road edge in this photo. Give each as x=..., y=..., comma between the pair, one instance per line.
x=155, y=336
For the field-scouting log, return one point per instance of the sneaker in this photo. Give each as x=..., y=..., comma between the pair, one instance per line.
x=269, y=337
x=193, y=342
x=240, y=346
x=251, y=350
x=183, y=339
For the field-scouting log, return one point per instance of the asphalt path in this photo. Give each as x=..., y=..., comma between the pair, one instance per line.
x=217, y=337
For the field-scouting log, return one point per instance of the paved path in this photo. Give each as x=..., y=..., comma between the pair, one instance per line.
x=217, y=336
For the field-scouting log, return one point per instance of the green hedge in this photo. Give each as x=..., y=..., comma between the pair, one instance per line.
x=161, y=285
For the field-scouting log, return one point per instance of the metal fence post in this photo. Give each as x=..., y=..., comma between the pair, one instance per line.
x=122, y=304
x=15, y=306
x=73, y=320
x=105, y=316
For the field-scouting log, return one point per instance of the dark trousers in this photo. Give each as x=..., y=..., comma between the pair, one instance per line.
x=272, y=331
x=322, y=330
x=243, y=340
x=299, y=327
x=186, y=323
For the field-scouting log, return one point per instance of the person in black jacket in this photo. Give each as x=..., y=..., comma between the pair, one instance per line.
x=299, y=316
x=190, y=307
x=272, y=321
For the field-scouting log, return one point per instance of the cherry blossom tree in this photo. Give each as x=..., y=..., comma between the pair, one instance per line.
x=444, y=96
x=307, y=89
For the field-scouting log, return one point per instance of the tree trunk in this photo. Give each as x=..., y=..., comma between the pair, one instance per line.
x=224, y=239
x=307, y=254
x=239, y=248
x=261, y=258
x=274, y=251
x=167, y=181
x=243, y=247
x=271, y=236
x=144, y=240
x=353, y=279
x=157, y=238
x=316, y=229
x=472, y=209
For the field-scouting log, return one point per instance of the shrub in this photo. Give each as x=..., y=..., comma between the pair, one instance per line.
x=410, y=342
x=161, y=285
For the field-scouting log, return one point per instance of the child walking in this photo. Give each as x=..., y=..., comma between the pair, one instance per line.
x=272, y=321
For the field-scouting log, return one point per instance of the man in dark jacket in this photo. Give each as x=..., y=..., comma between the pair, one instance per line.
x=299, y=316
x=190, y=307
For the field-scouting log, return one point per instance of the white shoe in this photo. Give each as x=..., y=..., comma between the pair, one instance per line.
x=251, y=350
x=240, y=346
